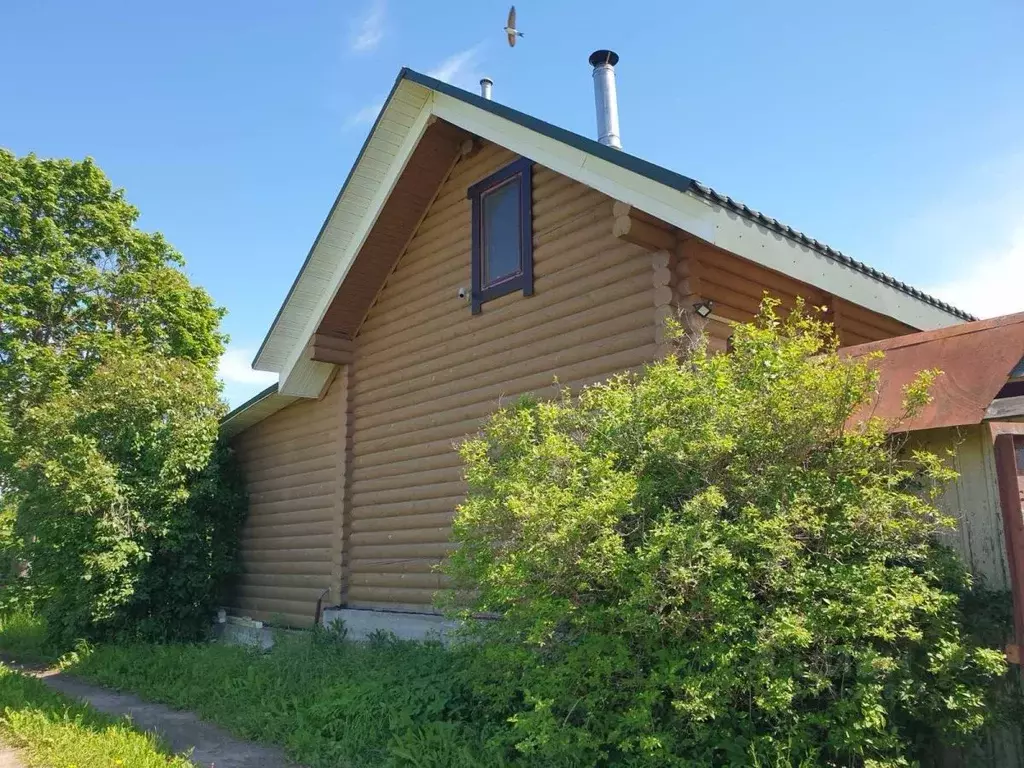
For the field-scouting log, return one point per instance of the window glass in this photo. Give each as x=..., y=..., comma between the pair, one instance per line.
x=501, y=232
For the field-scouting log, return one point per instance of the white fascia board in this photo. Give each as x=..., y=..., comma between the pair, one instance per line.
x=699, y=217
x=345, y=234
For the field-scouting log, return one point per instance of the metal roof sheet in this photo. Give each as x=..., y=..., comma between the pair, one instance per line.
x=976, y=360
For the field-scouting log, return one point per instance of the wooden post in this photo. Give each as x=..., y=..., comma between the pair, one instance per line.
x=1006, y=438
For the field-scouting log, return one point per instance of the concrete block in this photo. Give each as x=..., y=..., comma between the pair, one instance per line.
x=363, y=622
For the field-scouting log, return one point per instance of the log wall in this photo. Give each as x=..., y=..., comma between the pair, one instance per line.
x=736, y=287
x=426, y=371
x=293, y=463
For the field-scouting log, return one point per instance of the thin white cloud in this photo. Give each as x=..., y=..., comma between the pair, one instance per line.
x=459, y=69
x=989, y=284
x=234, y=368
x=967, y=243
x=369, y=31
x=365, y=115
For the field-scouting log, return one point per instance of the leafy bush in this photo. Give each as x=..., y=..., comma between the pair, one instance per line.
x=705, y=565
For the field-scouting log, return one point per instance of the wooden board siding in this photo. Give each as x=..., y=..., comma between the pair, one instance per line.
x=293, y=463
x=973, y=499
x=736, y=287
x=426, y=371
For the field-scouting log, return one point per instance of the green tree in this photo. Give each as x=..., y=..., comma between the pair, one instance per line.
x=127, y=510
x=706, y=565
x=76, y=275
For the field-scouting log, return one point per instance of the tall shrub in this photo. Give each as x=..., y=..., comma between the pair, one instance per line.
x=125, y=511
x=706, y=564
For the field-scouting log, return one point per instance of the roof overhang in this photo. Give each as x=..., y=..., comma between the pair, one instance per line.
x=254, y=410
x=416, y=100
x=976, y=360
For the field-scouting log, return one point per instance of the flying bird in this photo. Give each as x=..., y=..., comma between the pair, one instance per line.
x=510, y=28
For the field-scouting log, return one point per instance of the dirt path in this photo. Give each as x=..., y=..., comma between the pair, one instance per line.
x=9, y=757
x=181, y=731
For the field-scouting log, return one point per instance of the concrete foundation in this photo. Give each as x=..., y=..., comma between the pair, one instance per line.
x=235, y=630
x=361, y=623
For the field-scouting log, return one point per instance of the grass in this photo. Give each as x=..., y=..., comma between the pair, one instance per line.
x=23, y=635
x=55, y=732
x=326, y=701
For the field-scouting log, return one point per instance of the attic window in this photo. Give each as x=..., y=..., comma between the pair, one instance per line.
x=502, y=233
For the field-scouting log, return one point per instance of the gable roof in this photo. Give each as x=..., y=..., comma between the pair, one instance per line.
x=416, y=100
x=976, y=359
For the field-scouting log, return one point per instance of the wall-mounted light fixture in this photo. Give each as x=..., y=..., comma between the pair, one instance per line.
x=703, y=308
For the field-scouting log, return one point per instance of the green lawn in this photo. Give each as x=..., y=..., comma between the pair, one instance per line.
x=327, y=702
x=55, y=732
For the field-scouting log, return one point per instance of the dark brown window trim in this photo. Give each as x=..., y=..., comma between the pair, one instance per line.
x=523, y=168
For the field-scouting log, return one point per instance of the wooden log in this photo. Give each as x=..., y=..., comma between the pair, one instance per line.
x=320, y=556
x=433, y=490
x=289, y=494
x=330, y=341
x=403, y=508
x=574, y=204
x=402, y=551
x=301, y=595
x=321, y=526
x=620, y=208
x=405, y=536
x=273, y=606
x=447, y=457
x=272, y=543
x=417, y=597
x=408, y=565
x=316, y=477
x=376, y=459
x=261, y=520
x=430, y=581
x=642, y=233
x=282, y=580
x=319, y=567
x=433, y=520
x=415, y=475
x=268, y=472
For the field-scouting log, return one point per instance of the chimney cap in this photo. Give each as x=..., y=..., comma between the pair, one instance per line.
x=486, y=80
x=597, y=58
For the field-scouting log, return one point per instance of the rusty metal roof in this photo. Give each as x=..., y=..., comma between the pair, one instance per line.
x=975, y=358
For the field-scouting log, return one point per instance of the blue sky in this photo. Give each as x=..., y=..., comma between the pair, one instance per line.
x=893, y=131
